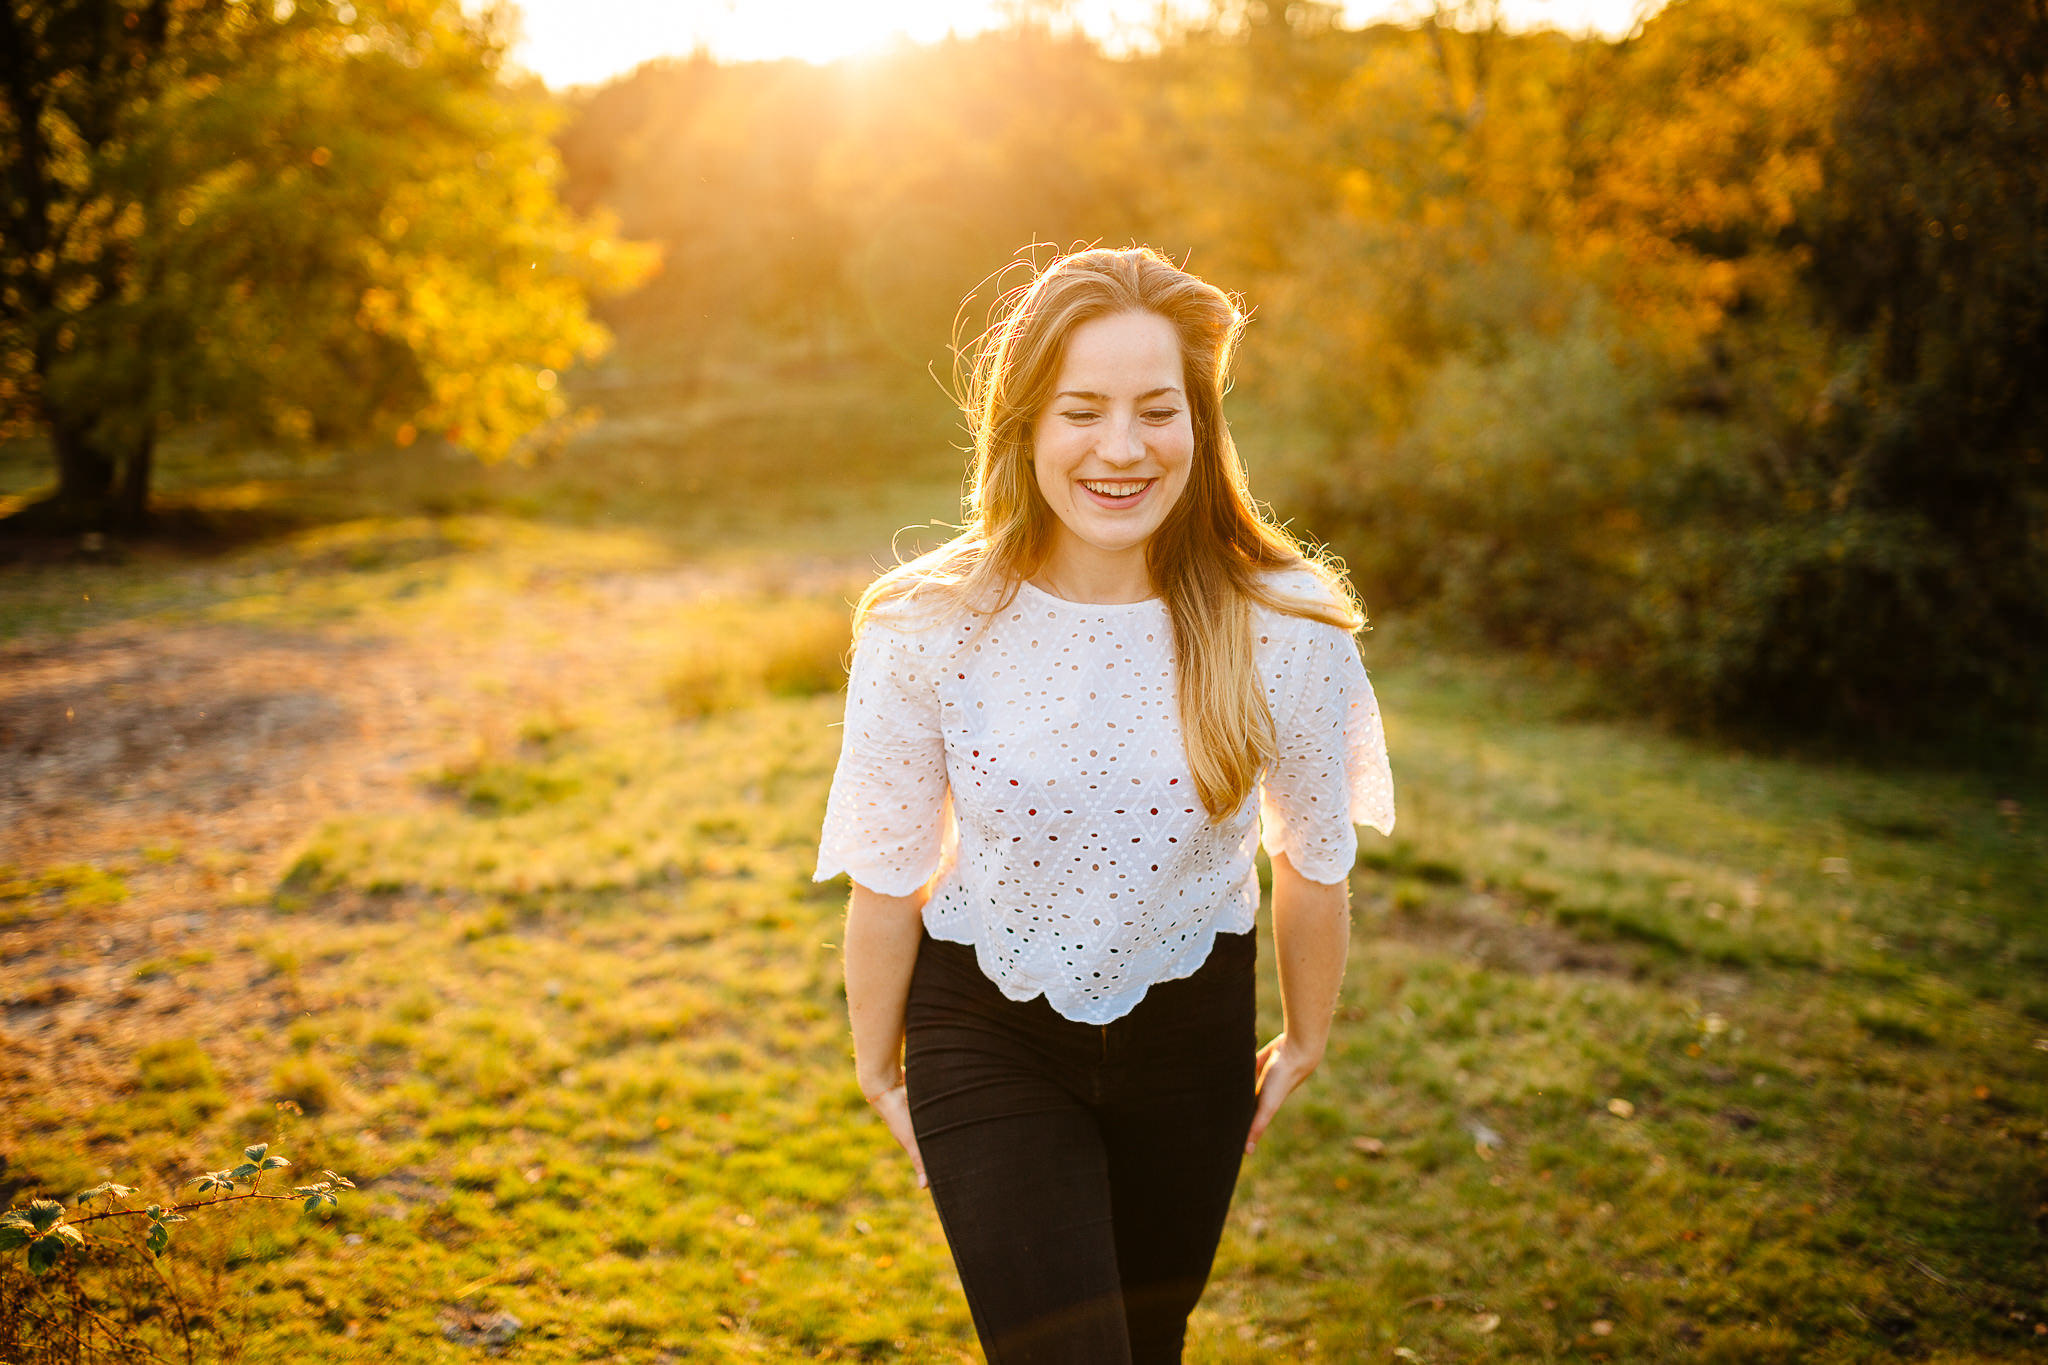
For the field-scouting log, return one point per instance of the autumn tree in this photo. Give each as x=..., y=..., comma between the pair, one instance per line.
x=297, y=222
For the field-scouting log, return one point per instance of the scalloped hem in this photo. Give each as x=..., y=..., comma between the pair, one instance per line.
x=826, y=871
x=1194, y=960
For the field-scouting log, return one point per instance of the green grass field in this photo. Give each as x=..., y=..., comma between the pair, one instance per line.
x=1649, y=1051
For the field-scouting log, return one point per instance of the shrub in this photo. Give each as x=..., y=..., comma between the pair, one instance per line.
x=306, y=1083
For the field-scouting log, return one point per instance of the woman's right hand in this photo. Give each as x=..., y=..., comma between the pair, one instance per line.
x=893, y=1104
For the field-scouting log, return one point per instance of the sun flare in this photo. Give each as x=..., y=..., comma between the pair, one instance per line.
x=583, y=42
x=570, y=42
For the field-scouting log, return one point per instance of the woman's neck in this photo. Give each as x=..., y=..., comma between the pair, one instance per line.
x=1097, y=578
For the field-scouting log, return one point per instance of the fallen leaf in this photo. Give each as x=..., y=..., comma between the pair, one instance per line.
x=1621, y=1109
x=1372, y=1146
x=1602, y=1327
x=1483, y=1323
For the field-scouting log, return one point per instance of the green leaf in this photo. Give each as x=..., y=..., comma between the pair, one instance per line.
x=15, y=1231
x=256, y=1153
x=159, y=1239
x=105, y=1188
x=271, y=1163
x=340, y=1180
x=244, y=1171
x=43, y=1253
x=45, y=1214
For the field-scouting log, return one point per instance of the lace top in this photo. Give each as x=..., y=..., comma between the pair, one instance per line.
x=1034, y=762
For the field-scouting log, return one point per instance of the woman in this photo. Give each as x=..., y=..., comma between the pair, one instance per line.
x=1066, y=732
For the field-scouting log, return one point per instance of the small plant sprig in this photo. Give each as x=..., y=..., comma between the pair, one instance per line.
x=47, y=1234
x=44, y=1230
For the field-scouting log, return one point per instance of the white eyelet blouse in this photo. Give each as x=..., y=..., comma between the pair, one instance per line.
x=1034, y=763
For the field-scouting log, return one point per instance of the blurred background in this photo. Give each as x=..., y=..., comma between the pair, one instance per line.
x=1701, y=345
x=440, y=444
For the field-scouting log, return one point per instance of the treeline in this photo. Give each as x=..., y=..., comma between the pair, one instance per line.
x=1715, y=357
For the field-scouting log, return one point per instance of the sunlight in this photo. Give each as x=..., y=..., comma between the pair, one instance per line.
x=571, y=42
x=583, y=42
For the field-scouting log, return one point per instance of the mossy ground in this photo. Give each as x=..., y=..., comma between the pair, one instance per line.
x=1649, y=1050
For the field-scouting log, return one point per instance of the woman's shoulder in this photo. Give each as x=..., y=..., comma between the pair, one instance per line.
x=920, y=612
x=942, y=590
x=1300, y=597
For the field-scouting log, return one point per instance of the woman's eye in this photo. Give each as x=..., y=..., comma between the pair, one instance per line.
x=1078, y=415
x=1162, y=414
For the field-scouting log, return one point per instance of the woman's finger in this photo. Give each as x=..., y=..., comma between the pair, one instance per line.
x=894, y=1107
x=1277, y=1079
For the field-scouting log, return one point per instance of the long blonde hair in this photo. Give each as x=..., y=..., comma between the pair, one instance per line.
x=1208, y=559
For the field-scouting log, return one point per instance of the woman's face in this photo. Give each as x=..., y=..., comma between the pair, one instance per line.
x=1113, y=445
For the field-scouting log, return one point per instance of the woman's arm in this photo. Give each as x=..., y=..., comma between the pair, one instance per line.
x=1311, y=935
x=882, y=934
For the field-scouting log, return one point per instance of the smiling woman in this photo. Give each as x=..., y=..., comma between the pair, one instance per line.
x=1111, y=453
x=1067, y=732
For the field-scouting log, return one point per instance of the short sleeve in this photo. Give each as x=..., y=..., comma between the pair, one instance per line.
x=1329, y=772
x=886, y=815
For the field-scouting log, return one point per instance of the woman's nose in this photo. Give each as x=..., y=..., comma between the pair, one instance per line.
x=1125, y=443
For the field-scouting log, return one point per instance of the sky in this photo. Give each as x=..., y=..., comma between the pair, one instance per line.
x=582, y=42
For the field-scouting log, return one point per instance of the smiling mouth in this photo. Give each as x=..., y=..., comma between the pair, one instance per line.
x=1116, y=490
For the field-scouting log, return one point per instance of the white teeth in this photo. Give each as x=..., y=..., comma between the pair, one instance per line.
x=1115, y=490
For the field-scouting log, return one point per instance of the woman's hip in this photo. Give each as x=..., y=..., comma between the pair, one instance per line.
x=1204, y=1016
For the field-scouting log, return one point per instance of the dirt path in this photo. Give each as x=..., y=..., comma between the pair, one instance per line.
x=190, y=761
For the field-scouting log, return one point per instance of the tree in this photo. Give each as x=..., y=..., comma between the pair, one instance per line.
x=1933, y=259
x=305, y=222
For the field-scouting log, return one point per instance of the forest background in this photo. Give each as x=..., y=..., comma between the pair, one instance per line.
x=431, y=503
x=1711, y=357
x=1708, y=357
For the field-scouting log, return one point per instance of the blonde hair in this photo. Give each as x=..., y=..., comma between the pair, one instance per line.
x=1208, y=559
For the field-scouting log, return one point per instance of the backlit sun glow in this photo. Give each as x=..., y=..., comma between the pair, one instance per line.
x=586, y=42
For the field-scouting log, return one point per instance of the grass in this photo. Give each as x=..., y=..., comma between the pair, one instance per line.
x=1647, y=1051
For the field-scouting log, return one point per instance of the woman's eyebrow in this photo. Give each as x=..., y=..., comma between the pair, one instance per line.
x=1104, y=398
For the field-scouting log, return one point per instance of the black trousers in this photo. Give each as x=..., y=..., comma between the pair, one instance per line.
x=1082, y=1172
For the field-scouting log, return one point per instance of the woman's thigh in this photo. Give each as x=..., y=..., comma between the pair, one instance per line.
x=1018, y=1170
x=1174, y=1126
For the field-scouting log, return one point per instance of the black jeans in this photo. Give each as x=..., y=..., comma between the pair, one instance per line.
x=1082, y=1172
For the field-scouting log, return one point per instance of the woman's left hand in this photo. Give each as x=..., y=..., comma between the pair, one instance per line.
x=1280, y=1067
